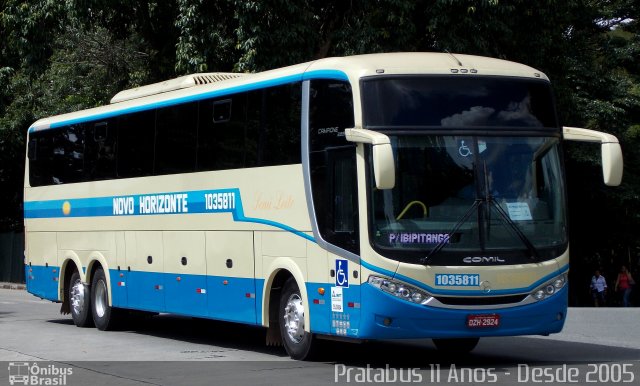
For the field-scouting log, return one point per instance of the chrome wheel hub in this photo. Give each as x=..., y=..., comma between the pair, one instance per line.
x=77, y=297
x=294, y=318
x=101, y=298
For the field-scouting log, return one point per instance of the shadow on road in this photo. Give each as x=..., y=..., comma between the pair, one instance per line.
x=503, y=351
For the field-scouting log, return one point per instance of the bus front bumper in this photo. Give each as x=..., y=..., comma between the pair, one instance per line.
x=384, y=316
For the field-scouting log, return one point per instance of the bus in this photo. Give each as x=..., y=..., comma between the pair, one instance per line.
x=381, y=196
x=19, y=372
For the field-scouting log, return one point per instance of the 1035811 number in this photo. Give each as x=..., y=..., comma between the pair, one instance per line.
x=458, y=279
x=220, y=201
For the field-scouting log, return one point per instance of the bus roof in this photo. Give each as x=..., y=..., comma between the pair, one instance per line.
x=186, y=89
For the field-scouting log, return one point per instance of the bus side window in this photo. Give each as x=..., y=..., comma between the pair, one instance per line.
x=39, y=158
x=135, y=144
x=67, y=155
x=280, y=125
x=224, y=142
x=100, y=151
x=176, y=133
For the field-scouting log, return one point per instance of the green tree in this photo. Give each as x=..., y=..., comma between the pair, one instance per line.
x=206, y=40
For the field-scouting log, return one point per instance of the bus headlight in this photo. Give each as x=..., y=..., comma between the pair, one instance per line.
x=399, y=289
x=549, y=288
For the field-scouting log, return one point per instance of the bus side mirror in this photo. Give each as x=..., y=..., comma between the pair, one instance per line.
x=612, y=164
x=383, y=165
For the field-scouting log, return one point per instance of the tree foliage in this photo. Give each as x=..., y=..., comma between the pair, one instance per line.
x=59, y=56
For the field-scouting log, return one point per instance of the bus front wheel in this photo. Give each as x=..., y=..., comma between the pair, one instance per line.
x=104, y=316
x=296, y=340
x=79, y=301
x=456, y=345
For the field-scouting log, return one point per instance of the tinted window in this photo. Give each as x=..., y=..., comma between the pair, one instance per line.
x=263, y=129
x=257, y=128
x=40, y=158
x=136, y=136
x=100, y=150
x=330, y=112
x=457, y=102
x=280, y=125
x=225, y=143
x=176, y=139
x=57, y=156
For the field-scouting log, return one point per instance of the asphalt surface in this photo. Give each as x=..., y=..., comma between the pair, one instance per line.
x=598, y=346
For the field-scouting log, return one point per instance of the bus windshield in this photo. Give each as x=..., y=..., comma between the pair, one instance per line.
x=471, y=196
x=455, y=102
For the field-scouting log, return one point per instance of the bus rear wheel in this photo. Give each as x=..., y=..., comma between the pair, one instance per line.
x=104, y=316
x=79, y=301
x=295, y=339
x=457, y=346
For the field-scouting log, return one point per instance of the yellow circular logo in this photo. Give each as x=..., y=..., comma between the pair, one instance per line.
x=66, y=208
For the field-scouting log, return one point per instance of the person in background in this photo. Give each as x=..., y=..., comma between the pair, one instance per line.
x=624, y=282
x=598, y=289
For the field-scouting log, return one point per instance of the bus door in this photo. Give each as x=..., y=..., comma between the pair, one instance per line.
x=340, y=227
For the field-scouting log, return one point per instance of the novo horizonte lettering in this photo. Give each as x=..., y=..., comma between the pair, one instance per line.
x=152, y=204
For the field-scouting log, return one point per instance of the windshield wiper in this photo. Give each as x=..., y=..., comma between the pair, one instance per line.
x=533, y=252
x=455, y=228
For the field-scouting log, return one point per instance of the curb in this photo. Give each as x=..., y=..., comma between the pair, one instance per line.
x=12, y=286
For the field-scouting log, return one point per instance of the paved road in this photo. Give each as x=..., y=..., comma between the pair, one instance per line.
x=602, y=344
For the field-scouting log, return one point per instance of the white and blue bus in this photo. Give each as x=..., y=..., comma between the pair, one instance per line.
x=386, y=196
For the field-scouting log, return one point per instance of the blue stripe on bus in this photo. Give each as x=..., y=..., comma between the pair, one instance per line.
x=42, y=281
x=189, y=294
x=105, y=207
x=317, y=74
x=435, y=291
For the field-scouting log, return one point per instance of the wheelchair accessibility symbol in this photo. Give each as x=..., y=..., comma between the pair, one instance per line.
x=464, y=150
x=342, y=273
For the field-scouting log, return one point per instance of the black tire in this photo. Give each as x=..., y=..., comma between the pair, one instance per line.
x=296, y=341
x=104, y=316
x=456, y=346
x=79, y=298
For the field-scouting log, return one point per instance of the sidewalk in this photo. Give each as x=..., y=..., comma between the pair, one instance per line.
x=13, y=286
x=609, y=326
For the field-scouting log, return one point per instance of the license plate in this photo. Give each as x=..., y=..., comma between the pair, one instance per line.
x=483, y=321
